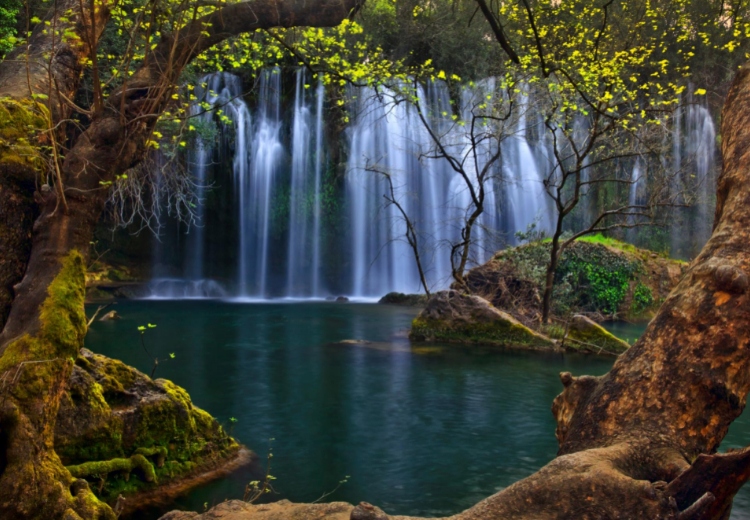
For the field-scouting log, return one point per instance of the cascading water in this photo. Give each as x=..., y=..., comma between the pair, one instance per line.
x=525, y=173
x=694, y=162
x=220, y=90
x=636, y=193
x=319, y=159
x=280, y=170
x=303, y=252
x=255, y=172
x=701, y=146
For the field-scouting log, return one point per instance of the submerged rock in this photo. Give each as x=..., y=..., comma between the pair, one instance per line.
x=126, y=433
x=584, y=334
x=409, y=300
x=452, y=317
x=110, y=316
x=342, y=299
x=354, y=342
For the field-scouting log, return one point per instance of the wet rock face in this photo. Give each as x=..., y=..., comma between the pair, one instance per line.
x=112, y=412
x=453, y=317
x=584, y=334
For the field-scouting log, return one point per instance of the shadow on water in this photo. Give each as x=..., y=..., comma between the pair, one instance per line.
x=427, y=431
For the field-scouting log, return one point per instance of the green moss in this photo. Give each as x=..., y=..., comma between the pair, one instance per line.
x=165, y=427
x=498, y=333
x=20, y=124
x=62, y=316
x=610, y=242
x=103, y=468
x=594, y=338
x=62, y=328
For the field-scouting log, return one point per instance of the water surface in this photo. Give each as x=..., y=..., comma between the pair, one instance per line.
x=426, y=431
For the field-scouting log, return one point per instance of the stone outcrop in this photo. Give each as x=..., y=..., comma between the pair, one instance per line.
x=596, y=276
x=585, y=335
x=406, y=300
x=125, y=433
x=452, y=317
x=286, y=510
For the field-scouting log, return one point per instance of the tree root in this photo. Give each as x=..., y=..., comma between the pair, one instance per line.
x=102, y=468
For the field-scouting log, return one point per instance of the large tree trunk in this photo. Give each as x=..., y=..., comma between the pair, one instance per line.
x=45, y=326
x=47, y=67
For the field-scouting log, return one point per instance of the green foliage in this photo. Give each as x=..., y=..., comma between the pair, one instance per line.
x=642, y=298
x=8, y=15
x=589, y=277
x=609, y=242
x=599, y=278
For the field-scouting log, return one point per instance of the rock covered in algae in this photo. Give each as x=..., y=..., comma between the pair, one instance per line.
x=584, y=334
x=127, y=433
x=406, y=300
x=453, y=317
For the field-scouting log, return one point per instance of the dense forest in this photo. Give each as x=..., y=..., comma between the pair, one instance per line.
x=201, y=203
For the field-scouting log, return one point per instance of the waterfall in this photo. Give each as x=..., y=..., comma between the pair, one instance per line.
x=701, y=148
x=694, y=163
x=266, y=232
x=298, y=222
x=217, y=90
x=388, y=135
x=319, y=159
x=256, y=182
x=303, y=250
x=525, y=194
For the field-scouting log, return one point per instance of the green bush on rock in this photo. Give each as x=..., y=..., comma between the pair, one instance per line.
x=595, y=276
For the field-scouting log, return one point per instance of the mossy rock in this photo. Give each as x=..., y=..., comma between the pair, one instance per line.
x=115, y=420
x=585, y=335
x=595, y=276
x=452, y=317
x=407, y=300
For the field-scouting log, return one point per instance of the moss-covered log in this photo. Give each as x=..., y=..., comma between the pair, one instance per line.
x=585, y=335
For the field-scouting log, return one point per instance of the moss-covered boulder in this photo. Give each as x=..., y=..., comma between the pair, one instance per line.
x=407, y=300
x=585, y=335
x=125, y=433
x=453, y=317
x=596, y=276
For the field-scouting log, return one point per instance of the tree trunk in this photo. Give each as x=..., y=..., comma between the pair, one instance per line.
x=549, y=279
x=17, y=214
